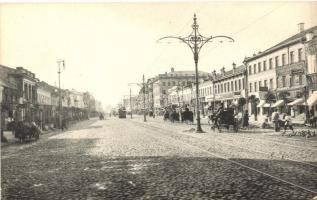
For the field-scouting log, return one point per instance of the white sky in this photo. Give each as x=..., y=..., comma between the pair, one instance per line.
x=106, y=46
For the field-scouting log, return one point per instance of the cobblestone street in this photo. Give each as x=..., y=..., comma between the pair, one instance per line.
x=130, y=159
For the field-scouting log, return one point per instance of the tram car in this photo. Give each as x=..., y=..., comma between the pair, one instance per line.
x=122, y=112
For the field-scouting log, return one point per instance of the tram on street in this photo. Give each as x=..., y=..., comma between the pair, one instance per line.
x=122, y=112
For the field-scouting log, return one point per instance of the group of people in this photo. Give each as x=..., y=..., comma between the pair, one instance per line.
x=238, y=117
x=173, y=115
x=284, y=121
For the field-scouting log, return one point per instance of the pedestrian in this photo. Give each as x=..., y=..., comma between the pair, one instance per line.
x=288, y=124
x=276, y=120
x=246, y=119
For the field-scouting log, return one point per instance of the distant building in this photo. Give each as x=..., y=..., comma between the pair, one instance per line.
x=161, y=83
x=230, y=85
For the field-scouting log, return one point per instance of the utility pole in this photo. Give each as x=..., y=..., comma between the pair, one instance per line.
x=59, y=92
x=130, y=105
x=196, y=41
x=144, y=114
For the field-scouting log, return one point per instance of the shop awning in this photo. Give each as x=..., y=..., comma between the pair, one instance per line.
x=296, y=102
x=261, y=104
x=266, y=105
x=278, y=103
x=312, y=99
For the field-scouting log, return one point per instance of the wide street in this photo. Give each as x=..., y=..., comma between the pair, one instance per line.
x=129, y=159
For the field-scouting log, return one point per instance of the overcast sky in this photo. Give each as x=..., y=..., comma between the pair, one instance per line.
x=106, y=46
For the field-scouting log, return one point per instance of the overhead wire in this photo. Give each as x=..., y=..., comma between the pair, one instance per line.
x=248, y=25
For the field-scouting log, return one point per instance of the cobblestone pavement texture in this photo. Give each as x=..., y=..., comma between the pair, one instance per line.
x=129, y=159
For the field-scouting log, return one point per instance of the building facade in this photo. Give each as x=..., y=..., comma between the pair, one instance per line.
x=163, y=82
x=280, y=70
x=229, y=86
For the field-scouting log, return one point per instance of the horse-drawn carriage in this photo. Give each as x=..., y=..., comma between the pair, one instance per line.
x=25, y=130
x=225, y=118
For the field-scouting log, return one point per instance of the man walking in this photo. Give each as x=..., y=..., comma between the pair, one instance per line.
x=276, y=120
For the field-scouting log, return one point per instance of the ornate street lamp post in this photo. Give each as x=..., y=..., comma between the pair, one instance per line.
x=196, y=41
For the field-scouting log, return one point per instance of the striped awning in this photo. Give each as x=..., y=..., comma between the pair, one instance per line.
x=312, y=100
x=278, y=103
x=299, y=101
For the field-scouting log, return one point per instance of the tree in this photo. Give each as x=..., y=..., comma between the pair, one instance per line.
x=283, y=96
x=269, y=98
x=254, y=101
x=241, y=102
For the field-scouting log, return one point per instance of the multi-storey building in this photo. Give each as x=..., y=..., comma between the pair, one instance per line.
x=279, y=69
x=161, y=83
x=311, y=54
x=8, y=96
x=229, y=86
x=27, y=87
x=44, y=100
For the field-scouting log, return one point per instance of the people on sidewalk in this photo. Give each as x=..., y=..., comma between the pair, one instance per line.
x=288, y=123
x=276, y=120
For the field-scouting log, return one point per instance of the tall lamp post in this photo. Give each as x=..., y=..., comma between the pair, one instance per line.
x=59, y=62
x=195, y=42
x=142, y=85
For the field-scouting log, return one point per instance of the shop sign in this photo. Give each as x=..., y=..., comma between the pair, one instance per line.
x=297, y=71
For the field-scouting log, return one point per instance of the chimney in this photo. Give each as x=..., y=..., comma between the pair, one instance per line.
x=234, y=67
x=300, y=27
x=172, y=69
x=223, y=70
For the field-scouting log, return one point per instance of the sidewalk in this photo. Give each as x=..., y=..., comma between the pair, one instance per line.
x=12, y=140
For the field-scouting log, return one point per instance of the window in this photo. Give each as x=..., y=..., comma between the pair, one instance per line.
x=283, y=81
x=168, y=84
x=291, y=81
x=265, y=83
x=276, y=61
x=235, y=85
x=254, y=68
x=250, y=69
x=163, y=83
x=271, y=83
x=259, y=67
x=270, y=63
x=250, y=87
x=283, y=59
x=215, y=89
x=243, y=83
x=255, y=86
x=173, y=83
x=183, y=83
x=164, y=91
x=231, y=85
x=221, y=88
x=225, y=87
x=260, y=84
x=300, y=54
x=300, y=79
x=264, y=65
x=291, y=57
x=239, y=84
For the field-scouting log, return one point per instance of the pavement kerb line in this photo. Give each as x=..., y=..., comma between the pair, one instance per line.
x=263, y=138
x=256, y=151
x=237, y=163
